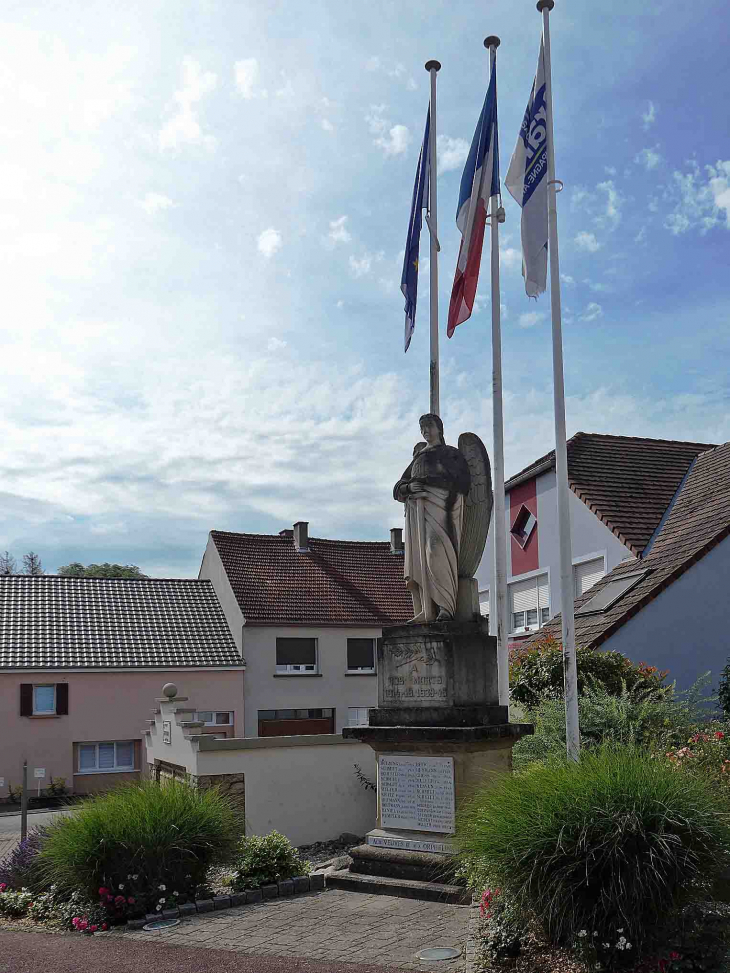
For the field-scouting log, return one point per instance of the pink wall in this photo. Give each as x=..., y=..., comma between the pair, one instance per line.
x=102, y=706
x=527, y=558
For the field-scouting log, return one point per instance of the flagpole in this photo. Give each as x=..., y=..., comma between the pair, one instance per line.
x=500, y=531
x=433, y=67
x=570, y=672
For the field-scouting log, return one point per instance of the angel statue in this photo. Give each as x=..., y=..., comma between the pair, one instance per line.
x=447, y=494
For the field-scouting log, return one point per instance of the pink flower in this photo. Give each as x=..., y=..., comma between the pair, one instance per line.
x=93, y=928
x=75, y=921
x=119, y=900
x=103, y=891
x=3, y=886
x=104, y=926
x=131, y=900
x=83, y=924
x=675, y=956
x=110, y=898
x=719, y=735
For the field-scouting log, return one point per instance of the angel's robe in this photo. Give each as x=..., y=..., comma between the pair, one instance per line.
x=445, y=477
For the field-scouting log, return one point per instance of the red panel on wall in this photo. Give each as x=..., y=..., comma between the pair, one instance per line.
x=527, y=558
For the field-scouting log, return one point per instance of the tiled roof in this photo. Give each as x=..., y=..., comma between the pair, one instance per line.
x=698, y=522
x=78, y=623
x=627, y=482
x=333, y=583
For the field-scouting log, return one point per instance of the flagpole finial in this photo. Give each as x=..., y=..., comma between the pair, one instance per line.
x=545, y=5
x=433, y=65
x=492, y=41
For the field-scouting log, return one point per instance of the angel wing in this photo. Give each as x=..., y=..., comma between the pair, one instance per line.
x=477, y=505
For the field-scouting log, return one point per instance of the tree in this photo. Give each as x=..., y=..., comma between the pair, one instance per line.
x=105, y=570
x=32, y=564
x=7, y=564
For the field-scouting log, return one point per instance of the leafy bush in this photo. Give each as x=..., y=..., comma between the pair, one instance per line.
x=536, y=673
x=723, y=693
x=266, y=859
x=615, y=844
x=158, y=836
x=14, y=903
x=57, y=787
x=18, y=869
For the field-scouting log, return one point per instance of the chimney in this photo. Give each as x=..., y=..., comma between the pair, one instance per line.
x=301, y=536
x=396, y=540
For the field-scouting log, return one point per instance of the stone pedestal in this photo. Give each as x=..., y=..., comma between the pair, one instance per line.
x=439, y=733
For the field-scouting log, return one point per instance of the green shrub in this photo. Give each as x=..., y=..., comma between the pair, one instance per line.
x=536, y=673
x=615, y=844
x=145, y=838
x=266, y=859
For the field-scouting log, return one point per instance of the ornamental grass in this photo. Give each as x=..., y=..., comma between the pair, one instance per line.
x=146, y=836
x=617, y=841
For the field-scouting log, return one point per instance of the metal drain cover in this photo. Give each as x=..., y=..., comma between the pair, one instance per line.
x=435, y=953
x=160, y=924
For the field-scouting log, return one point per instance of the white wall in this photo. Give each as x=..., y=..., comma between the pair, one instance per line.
x=331, y=687
x=588, y=536
x=685, y=629
x=212, y=570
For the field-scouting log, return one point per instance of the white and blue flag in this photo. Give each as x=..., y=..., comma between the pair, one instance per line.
x=527, y=182
x=409, y=278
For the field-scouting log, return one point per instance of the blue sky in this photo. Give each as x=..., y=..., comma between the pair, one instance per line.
x=204, y=208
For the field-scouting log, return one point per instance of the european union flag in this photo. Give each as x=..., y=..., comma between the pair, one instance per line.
x=409, y=280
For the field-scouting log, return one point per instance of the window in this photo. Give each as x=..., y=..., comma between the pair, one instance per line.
x=213, y=718
x=97, y=758
x=361, y=655
x=523, y=526
x=484, y=602
x=296, y=722
x=586, y=574
x=358, y=716
x=296, y=655
x=529, y=603
x=44, y=700
x=610, y=593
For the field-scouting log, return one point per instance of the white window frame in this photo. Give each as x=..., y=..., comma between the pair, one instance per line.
x=358, y=720
x=214, y=713
x=45, y=712
x=116, y=769
x=366, y=669
x=589, y=557
x=484, y=602
x=527, y=576
x=298, y=669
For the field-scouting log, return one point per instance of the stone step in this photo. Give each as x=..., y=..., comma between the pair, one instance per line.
x=416, y=866
x=402, y=887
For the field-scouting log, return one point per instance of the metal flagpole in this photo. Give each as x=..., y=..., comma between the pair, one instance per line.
x=433, y=67
x=500, y=532
x=570, y=672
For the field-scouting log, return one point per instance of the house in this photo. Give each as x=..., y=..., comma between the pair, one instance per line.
x=621, y=488
x=306, y=614
x=667, y=606
x=81, y=659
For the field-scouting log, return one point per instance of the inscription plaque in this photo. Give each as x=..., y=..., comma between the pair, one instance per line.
x=416, y=793
x=415, y=674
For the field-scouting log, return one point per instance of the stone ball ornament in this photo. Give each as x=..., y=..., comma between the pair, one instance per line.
x=169, y=690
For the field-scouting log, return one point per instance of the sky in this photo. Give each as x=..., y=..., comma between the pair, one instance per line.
x=204, y=207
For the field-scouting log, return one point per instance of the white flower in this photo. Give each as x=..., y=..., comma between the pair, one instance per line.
x=162, y=900
x=159, y=908
x=628, y=946
x=120, y=886
x=619, y=930
x=162, y=888
x=129, y=876
x=176, y=893
x=583, y=932
x=133, y=877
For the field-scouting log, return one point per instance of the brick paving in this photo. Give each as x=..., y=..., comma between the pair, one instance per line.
x=330, y=926
x=8, y=841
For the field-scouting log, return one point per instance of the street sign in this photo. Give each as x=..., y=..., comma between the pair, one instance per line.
x=39, y=772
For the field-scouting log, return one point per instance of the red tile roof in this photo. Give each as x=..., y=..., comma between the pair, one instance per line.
x=627, y=482
x=333, y=583
x=698, y=521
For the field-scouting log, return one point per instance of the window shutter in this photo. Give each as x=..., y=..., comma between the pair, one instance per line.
x=523, y=595
x=26, y=699
x=360, y=654
x=61, y=699
x=543, y=591
x=587, y=574
x=296, y=652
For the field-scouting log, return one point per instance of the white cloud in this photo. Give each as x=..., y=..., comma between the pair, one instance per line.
x=184, y=126
x=591, y=312
x=246, y=73
x=598, y=288
x=567, y=279
x=641, y=235
x=648, y=158
x=611, y=216
x=327, y=125
x=530, y=318
x=587, y=241
x=509, y=257
x=701, y=200
x=649, y=116
x=269, y=242
x=156, y=203
x=275, y=344
x=451, y=153
x=396, y=70
x=394, y=140
x=338, y=232
x=360, y=266
x=340, y=304
x=610, y=170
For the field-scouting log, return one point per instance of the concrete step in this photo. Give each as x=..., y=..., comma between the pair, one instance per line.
x=402, y=887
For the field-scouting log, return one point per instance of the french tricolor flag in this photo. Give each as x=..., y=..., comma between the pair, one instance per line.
x=479, y=183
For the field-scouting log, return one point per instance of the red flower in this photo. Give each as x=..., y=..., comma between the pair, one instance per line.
x=93, y=928
x=119, y=900
x=103, y=891
x=131, y=900
x=104, y=926
x=719, y=735
x=675, y=956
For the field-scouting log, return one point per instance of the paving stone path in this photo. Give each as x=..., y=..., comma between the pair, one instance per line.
x=332, y=925
x=8, y=841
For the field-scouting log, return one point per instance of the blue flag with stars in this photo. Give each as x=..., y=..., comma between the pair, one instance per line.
x=409, y=279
